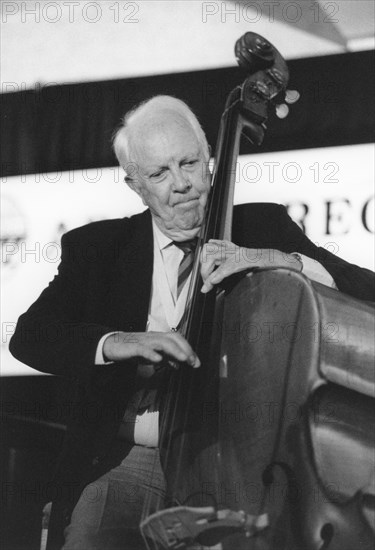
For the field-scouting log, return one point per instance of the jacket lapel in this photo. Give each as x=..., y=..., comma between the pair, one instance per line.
x=132, y=282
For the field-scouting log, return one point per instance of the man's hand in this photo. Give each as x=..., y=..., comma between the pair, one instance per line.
x=229, y=258
x=151, y=347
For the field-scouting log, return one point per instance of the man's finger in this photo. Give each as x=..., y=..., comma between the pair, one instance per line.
x=192, y=358
x=151, y=355
x=179, y=340
x=211, y=258
x=207, y=269
x=176, y=347
x=211, y=281
x=224, y=270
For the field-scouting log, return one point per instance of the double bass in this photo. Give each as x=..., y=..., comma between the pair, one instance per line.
x=269, y=445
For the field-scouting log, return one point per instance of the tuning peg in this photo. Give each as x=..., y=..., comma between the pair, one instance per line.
x=292, y=96
x=282, y=110
x=261, y=45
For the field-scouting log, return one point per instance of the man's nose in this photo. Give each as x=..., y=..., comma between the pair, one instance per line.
x=181, y=182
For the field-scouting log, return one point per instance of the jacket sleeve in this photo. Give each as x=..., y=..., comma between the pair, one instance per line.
x=349, y=278
x=51, y=336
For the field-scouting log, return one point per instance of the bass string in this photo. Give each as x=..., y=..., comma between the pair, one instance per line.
x=171, y=398
x=210, y=229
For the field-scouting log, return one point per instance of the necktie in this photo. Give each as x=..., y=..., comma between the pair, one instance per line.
x=186, y=264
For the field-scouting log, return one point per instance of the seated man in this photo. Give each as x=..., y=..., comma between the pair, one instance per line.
x=106, y=319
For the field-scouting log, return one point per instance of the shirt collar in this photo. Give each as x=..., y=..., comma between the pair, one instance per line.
x=162, y=240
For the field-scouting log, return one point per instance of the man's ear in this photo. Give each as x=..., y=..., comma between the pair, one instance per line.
x=134, y=186
x=131, y=183
x=131, y=175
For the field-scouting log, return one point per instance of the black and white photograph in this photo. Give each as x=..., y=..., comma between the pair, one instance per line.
x=187, y=275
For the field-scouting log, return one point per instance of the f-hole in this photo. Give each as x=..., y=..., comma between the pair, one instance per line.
x=326, y=533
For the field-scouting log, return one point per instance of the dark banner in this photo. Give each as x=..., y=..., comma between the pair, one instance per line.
x=60, y=127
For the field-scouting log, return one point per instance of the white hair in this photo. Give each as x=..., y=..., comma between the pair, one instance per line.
x=157, y=104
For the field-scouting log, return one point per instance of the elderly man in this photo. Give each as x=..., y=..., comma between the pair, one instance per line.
x=106, y=319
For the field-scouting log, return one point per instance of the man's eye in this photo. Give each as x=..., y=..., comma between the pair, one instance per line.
x=190, y=162
x=158, y=174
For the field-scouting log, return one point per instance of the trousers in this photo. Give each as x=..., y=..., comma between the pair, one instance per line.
x=108, y=512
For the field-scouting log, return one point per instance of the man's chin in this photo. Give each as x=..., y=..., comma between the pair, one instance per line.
x=185, y=224
x=183, y=229
x=188, y=222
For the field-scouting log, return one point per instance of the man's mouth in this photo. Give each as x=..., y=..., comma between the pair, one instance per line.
x=187, y=203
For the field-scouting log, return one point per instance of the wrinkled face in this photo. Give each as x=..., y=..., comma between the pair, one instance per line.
x=171, y=175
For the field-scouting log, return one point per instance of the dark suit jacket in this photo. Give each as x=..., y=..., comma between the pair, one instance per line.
x=104, y=284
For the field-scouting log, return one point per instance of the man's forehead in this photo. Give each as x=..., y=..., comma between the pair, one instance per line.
x=154, y=139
